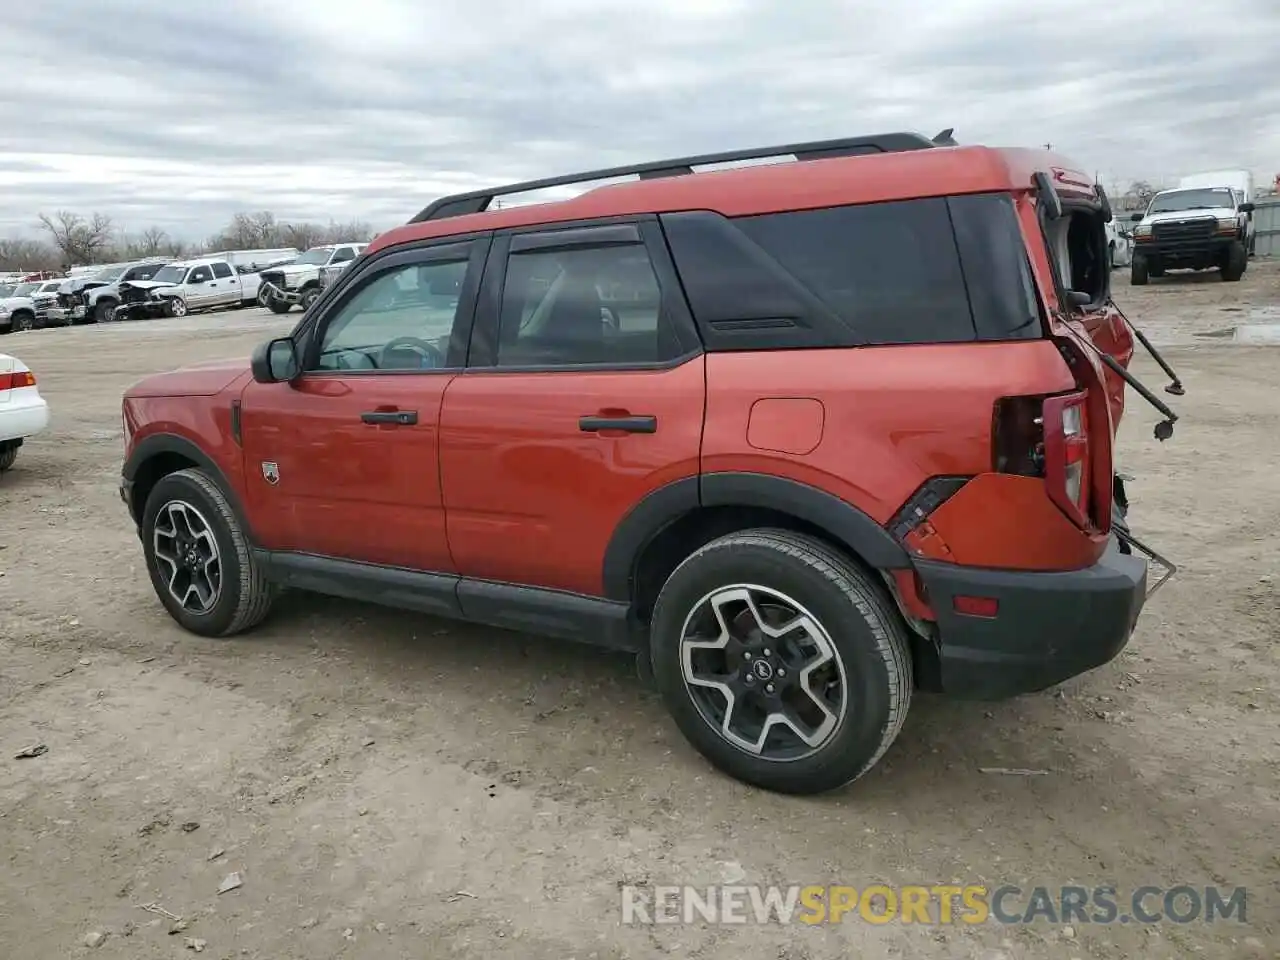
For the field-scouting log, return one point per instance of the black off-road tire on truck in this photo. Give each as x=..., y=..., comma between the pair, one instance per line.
x=846, y=638
x=1234, y=263
x=309, y=296
x=1138, y=270
x=279, y=306
x=199, y=559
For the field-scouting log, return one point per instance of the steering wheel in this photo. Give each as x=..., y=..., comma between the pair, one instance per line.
x=423, y=347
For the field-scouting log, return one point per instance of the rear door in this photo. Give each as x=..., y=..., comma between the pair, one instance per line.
x=584, y=392
x=225, y=286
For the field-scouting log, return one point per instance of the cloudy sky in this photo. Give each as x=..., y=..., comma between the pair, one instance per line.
x=172, y=114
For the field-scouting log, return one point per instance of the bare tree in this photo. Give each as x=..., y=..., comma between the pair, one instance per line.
x=80, y=240
x=28, y=255
x=152, y=241
x=302, y=235
x=1139, y=194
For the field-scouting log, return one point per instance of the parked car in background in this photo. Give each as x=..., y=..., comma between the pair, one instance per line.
x=254, y=261
x=299, y=282
x=1200, y=228
x=16, y=312
x=1240, y=182
x=1119, y=244
x=99, y=297
x=23, y=412
x=180, y=288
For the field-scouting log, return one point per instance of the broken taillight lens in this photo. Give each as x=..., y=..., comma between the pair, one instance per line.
x=1066, y=446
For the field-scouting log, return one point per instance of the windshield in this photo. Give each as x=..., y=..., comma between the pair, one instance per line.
x=25, y=289
x=316, y=255
x=170, y=274
x=110, y=273
x=1192, y=200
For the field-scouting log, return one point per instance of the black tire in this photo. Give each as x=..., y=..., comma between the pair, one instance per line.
x=175, y=307
x=22, y=320
x=104, y=311
x=277, y=306
x=1156, y=272
x=243, y=597
x=1138, y=271
x=1235, y=263
x=1112, y=247
x=7, y=456
x=309, y=296
x=866, y=632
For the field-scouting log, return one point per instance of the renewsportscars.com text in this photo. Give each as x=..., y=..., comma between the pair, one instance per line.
x=931, y=905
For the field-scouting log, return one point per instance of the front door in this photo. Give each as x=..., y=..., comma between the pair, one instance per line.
x=584, y=392
x=198, y=290
x=343, y=461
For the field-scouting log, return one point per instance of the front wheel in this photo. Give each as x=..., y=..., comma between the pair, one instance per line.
x=7, y=457
x=23, y=320
x=308, y=298
x=104, y=311
x=1138, y=271
x=1235, y=263
x=199, y=559
x=781, y=661
x=278, y=306
x=175, y=307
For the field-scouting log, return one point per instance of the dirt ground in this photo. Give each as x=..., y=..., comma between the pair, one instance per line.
x=391, y=786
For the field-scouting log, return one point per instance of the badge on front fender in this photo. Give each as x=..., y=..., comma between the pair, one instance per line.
x=270, y=472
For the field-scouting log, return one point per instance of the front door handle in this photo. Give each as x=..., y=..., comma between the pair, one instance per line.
x=405, y=418
x=627, y=424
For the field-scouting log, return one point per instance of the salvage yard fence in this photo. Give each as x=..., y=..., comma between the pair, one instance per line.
x=1266, y=225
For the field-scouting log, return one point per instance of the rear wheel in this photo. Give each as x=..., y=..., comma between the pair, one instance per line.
x=7, y=456
x=1138, y=271
x=200, y=562
x=782, y=662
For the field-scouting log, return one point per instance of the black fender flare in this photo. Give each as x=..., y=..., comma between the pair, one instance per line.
x=858, y=532
x=161, y=443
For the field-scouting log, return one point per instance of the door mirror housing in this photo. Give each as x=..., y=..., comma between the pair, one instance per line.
x=275, y=361
x=1246, y=208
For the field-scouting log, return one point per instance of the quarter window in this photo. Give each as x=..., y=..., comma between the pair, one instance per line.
x=583, y=305
x=400, y=319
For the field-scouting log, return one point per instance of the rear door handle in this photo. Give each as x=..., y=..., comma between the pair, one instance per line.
x=405, y=418
x=627, y=424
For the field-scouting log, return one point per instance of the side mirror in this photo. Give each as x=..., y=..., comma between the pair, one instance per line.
x=1246, y=208
x=1136, y=218
x=275, y=361
x=1079, y=298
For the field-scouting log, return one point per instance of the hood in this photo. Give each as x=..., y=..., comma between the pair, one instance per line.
x=197, y=380
x=146, y=284
x=293, y=268
x=12, y=303
x=1214, y=213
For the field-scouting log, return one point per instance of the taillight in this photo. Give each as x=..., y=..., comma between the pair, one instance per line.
x=1066, y=448
x=13, y=381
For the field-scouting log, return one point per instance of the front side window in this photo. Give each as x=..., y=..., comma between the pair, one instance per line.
x=200, y=275
x=343, y=254
x=583, y=305
x=400, y=319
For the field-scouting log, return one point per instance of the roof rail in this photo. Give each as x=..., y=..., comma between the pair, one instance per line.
x=460, y=204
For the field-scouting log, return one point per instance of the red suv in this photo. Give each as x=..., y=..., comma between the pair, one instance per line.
x=805, y=436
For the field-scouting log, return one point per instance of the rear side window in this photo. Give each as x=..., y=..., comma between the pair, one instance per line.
x=997, y=273
x=889, y=270
x=221, y=270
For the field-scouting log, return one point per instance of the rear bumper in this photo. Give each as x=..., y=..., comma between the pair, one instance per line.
x=22, y=418
x=1049, y=626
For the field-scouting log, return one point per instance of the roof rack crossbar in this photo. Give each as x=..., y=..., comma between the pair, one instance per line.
x=460, y=204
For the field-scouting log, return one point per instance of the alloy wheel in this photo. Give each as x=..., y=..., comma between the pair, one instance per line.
x=187, y=551
x=763, y=672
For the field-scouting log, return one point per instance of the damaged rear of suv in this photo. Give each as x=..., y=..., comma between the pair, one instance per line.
x=804, y=437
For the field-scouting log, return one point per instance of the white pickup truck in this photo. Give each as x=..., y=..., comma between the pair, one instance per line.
x=299, y=282
x=189, y=285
